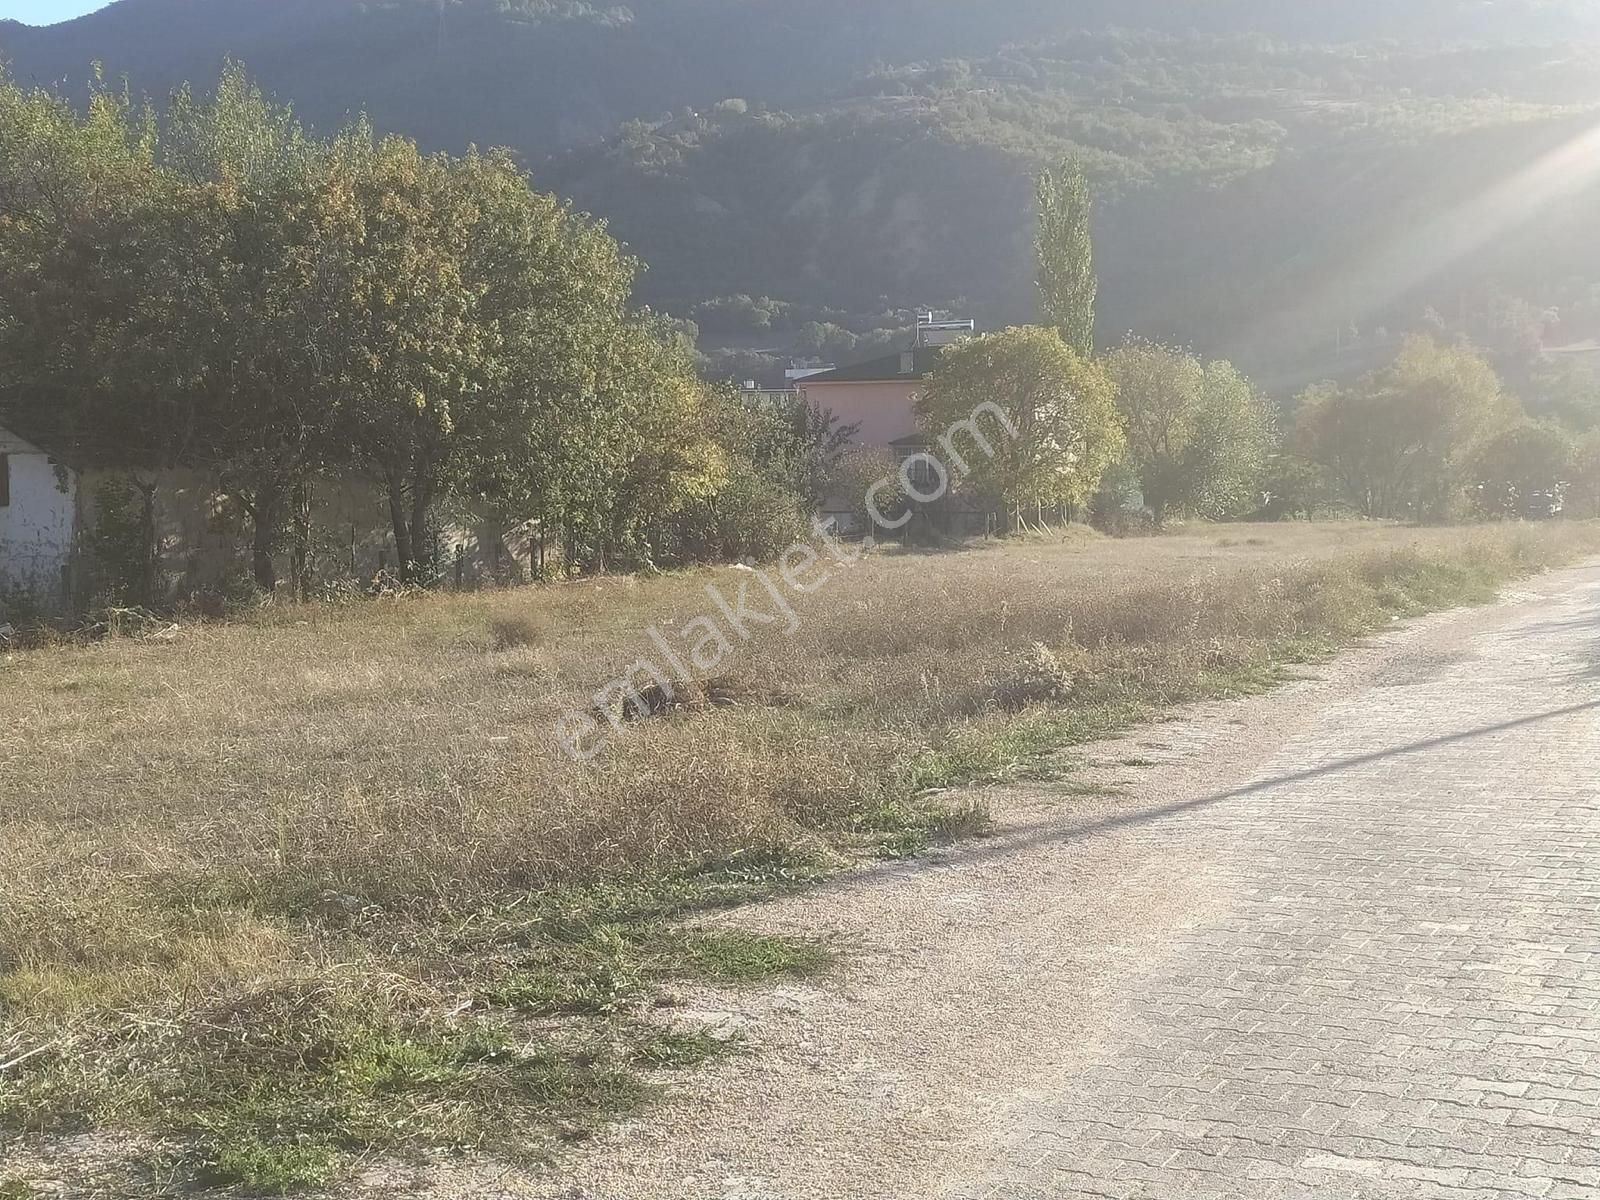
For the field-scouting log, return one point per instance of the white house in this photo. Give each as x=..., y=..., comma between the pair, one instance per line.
x=38, y=521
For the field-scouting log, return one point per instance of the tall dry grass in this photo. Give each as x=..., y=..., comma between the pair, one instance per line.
x=403, y=751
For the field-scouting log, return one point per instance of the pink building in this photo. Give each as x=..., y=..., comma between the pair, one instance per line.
x=879, y=397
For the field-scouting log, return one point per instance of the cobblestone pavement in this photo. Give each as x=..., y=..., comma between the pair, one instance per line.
x=1402, y=999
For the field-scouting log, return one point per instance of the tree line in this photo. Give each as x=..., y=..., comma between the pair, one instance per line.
x=1436, y=435
x=217, y=289
x=1143, y=427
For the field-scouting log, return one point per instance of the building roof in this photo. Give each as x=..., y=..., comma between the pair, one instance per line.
x=16, y=438
x=15, y=443
x=887, y=369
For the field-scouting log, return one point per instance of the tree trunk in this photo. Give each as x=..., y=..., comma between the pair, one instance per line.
x=265, y=515
x=421, y=501
x=397, y=520
x=300, y=559
x=150, y=555
x=261, y=564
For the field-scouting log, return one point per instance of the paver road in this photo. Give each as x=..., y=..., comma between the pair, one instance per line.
x=1402, y=997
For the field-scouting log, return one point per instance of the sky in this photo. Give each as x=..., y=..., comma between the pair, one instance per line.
x=47, y=12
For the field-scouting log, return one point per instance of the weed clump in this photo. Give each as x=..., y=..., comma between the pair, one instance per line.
x=1038, y=676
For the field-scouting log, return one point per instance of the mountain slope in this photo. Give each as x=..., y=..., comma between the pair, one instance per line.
x=541, y=74
x=852, y=157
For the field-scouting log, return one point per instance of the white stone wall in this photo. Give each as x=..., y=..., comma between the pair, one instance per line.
x=37, y=527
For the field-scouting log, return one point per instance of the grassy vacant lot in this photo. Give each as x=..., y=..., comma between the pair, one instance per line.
x=285, y=891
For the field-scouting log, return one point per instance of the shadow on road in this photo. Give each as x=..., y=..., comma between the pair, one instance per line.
x=1040, y=835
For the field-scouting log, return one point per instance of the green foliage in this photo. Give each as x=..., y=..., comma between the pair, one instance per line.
x=119, y=556
x=1199, y=433
x=1060, y=430
x=231, y=294
x=1067, y=282
x=1525, y=471
x=1568, y=394
x=1402, y=441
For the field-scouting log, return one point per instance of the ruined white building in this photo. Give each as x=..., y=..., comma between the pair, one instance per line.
x=38, y=522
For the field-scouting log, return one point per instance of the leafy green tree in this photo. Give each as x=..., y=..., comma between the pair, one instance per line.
x=552, y=421
x=1199, y=434
x=174, y=311
x=1067, y=280
x=476, y=318
x=90, y=300
x=757, y=510
x=659, y=437
x=1525, y=471
x=261, y=317
x=1048, y=415
x=812, y=446
x=1401, y=442
x=227, y=293
x=1294, y=488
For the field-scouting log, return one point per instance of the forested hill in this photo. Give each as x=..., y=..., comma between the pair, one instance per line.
x=543, y=74
x=839, y=160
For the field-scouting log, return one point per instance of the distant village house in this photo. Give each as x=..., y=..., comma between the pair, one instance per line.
x=879, y=398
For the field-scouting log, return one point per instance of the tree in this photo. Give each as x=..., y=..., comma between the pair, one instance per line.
x=258, y=198
x=1525, y=471
x=1067, y=281
x=226, y=293
x=89, y=302
x=654, y=429
x=1199, y=434
x=1584, y=494
x=812, y=446
x=475, y=321
x=1060, y=430
x=1567, y=392
x=757, y=510
x=1401, y=442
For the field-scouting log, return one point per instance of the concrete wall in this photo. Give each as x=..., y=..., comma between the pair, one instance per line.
x=37, y=526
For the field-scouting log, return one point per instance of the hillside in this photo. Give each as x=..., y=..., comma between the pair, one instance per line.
x=1234, y=176
x=851, y=160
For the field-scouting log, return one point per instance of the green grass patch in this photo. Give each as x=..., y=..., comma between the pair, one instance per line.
x=739, y=956
x=658, y=1049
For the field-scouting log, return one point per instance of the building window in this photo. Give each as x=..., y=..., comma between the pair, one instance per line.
x=5, y=481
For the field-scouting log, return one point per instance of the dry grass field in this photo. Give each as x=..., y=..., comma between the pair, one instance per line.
x=284, y=891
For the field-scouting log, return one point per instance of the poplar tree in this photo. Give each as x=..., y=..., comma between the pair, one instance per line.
x=1067, y=282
